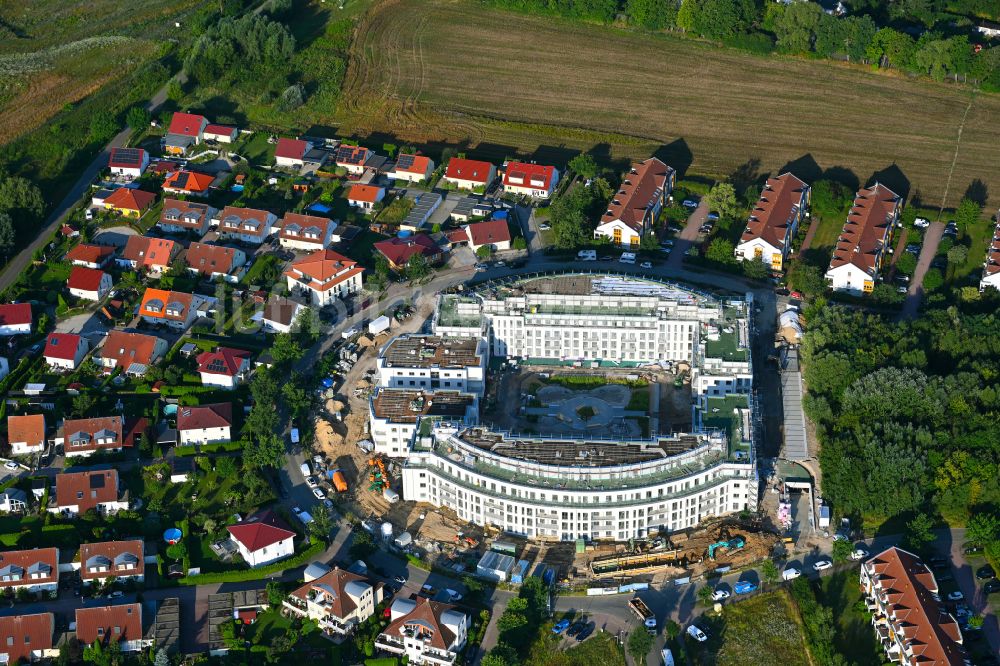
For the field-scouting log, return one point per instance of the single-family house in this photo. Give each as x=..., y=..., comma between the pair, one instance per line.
x=280, y=313
x=324, y=277
x=494, y=234
x=121, y=624
x=634, y=207
x=186, y=216
x=26, y=434
x=129, y=202
x=190, y=183
x=364, y=197
x=991, y=265
x=121, y=560
x=338, y=601
x=212, y=261
x=247, y=225
x=81, y=438
x=424, y=631
x=398, y=251
x=65, y=351
x=27, y=638
x=469, y=174
x=186, y=130
x=205, y=424
x=864, y=241
x=175, y=309
x=225, y=367
x=15, y=319
x=352, y=158
x=412, y=168
x=133, y=353
x=774, y=221
x=34, y=570
x=89, y=283
x=13, y=500
x=305, y=232
x=145, y=253
x=80, y=492
x=262, y=539
x=221, y=133
x=291, y=152
x=90, y=256
x=529, y=179
x=129, y=163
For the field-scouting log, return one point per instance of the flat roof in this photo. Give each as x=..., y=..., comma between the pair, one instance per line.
x=406, y=406
x=426, y=351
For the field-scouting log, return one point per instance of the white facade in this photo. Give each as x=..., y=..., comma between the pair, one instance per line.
x=267, y=554
x=850, y=279
x=428, y=375
x=758, y=249
x=392, y=433
x=415, y=640
x=204, y=435
x=102, y=290
x=325, y=292
x=619, y=233
x=15, y=329
x=317, y=604
x=102, y=508
x=69, y=363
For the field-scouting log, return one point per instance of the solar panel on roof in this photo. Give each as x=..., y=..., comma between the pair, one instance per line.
x=128, y=156
x=405, y=162
x=217, y=365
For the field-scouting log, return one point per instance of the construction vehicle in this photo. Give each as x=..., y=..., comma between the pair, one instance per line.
x=377, y=474
x=338, y=479
x=733, y=544
x=639, y=607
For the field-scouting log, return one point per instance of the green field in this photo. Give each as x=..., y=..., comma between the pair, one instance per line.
x=762, y=630
x=854, y=636
x=431, y=71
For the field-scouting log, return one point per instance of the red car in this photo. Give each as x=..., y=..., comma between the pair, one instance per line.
x=796, y=295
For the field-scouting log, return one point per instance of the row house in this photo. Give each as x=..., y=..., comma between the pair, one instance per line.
x=865, y=241
x=34, y=570
x=246, y=225
x=179, y=217
x=85, y=437
x=27, y=638
x=120, y=560
x=152, y=255
x=537, y=181
x=306, y=232
x=121, y=624
x=174, y=309
x=774, y=221
x=215, y=261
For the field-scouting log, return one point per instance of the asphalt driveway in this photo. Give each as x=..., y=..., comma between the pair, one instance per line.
x=932, y=237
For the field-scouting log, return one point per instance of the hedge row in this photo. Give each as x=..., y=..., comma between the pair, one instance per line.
x=221, y=447
x=259, y=573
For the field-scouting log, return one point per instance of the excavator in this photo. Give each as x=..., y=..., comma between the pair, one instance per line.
x=377, y=474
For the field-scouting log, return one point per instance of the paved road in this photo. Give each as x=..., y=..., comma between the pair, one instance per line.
x=932, y=237
x=688, y=237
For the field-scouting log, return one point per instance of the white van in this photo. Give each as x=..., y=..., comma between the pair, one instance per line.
x=587, y=255
x=791, y=573
x=667, y=657
x=627, y=258
x=304, y=468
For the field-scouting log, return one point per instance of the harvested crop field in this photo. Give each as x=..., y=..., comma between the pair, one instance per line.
x=434, y=71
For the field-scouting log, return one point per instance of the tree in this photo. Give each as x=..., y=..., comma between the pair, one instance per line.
x=417, y=267
x=983, y=528
x=175, y=92
x=583, y=165
x=651, y=14
x=6, y=235
x=755, y=270
x=390, y=149
x=720, y=250
x=82, y=404
x=103, y=126
x=890, y=48
x=716, y=18
x=22, y=201
x=519, y=243
x=918, y=532
x=769, y=571
x=796, y=26
x=137, y=117
x=292, y=98
x=957, y=255
x=933, y=279
x=968, y=214
x=286, y=349
x=907, y=263
x=934, y=57
x=722, y=199
x=807, y=278
x=842, y=550
x=362, y=545
x=265, y=450
x=275, y=594
x=639, y=644
x=484, y=251
x=177, y=551
x=705, y=595
x=322, y=523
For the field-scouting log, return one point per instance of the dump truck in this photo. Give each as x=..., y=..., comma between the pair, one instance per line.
x=640, y=608
x=338, y=480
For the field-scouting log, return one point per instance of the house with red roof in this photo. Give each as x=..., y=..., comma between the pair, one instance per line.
x=425, y=631
x=469, y=174
x=494, y=234
x=305, y=232
x=121, y=560
x=247, y=225
x=364, y=197
x=128, y=163
x=537, y=181
x=121, y=624
x=352, y=158
x=175, y=309
x=212, y=261
x=337, y=601
x=148, y=254
x=65, y=351
x=399, y=250
x=774, y=221
x=324, y=277
x=225, y=367
x=291, y=152
x=865, y=241
x=205, y=424
x=186, y=130
x=129, y=202
x=179, y=217
x=27, y=638
x=412, y=168
x=132, y=352
x=35, y=570
x=221, y=133
x=190, y=183
x=81, y=438
x=262, y=539
x=90, y=256
x=79, y=492
x=991, y=265
x=26, y=434
x=15, y=319
x=634, y=207
x=89, y=283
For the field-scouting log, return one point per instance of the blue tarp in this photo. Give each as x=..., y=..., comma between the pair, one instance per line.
x=319, y=208
x=499, y=215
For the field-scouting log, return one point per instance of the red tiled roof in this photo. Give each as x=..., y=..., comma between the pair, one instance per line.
x=427, y=616
x=62, y=346
x=186, y=124
x=223, y=361
x=29, y=428
x=232, y=218
x=12, y=314
x=86, y=489
x=90, y=254
x=323, y=265
x=116, y=558
x=219, y=129
x=260, y=531
x=291, y=148
x=207, y=258
x=458, y=236
x=330, y=588
x=218, y=415
x=414, y=163
x=21, y=635
x=127, y=348
x=85, y=279
x=188, y=181
x=149, y=252
x=399, y=250
x=157, y=302
x=303, y=222
x=524, y=174
x=109, y=623
x=163, y=167
x=90, y=431
x=488, y=233
x=18, y=566
x=640, y=189
x=126, y=158
x=775, y=209
x=185, y=209
x=366, y=193
x=868, y=223
x=992, y=264
x=126, y=198
x=472, y=170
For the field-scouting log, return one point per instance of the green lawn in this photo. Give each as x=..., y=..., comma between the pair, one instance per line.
x=977, y=239
x=761, y=630
x=726, y=347
x=827, y=231
x=362, y=248
x=854, y=637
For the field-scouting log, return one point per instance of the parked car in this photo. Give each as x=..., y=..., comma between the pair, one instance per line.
x=972, y=550
x=585, y=634
x=986, y=572
x=903, y=278
x=921, y=223
x=320, y=495
x=823, y=564
x=712, y=216
x=991, y=586
x=646, y=264
x=667, y=243
x=859, y=554
x=689, y=203
x=311, y=481
x=791, y=573
x=955, y=596
x=544, y=226
x=453, y=595
x=940, y=263
x=560, y=626
x=913, y=248
x=575, y=628
x=744, y=587
x=796, y=295
x=10, y=465
x=720, y=595
x=696, y=633
x=400, y=579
